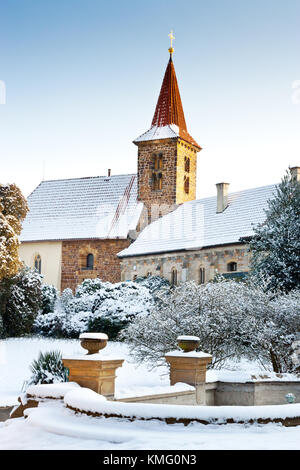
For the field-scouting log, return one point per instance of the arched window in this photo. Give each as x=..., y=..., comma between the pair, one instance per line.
x=38, y=263
x=186, y=184
x=187, y=164
x=201, y=275
x=90, y=261
x=156, y=180
x=174, y=277
x=231, y=267
x=159, y=181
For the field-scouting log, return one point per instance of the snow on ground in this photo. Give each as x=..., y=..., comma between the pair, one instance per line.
x=64, y=430
x=54, y=427
x=16, y=355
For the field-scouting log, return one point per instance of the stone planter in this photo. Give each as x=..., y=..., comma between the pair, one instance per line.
x=188, y=343
x=93, y=342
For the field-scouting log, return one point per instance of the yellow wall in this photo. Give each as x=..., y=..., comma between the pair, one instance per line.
x=50, y=253
x=185, y=150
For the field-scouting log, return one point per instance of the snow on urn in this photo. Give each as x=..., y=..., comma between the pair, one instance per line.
x=93, y=342
x=188, y=343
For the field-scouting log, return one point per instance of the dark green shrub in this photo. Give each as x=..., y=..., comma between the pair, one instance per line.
x=48, y=368
x=111, y=327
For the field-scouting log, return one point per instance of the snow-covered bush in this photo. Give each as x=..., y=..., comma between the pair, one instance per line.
x=49, y=297
x=153, y=283
x=231, y=319
x=279, y=330
x=210, y=311
x=96, y=306
x=20, y=301
x=48, y=368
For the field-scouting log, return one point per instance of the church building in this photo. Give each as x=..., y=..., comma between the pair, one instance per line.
x=119, y=227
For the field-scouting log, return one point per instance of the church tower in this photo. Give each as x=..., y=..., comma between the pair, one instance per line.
x=167, y=154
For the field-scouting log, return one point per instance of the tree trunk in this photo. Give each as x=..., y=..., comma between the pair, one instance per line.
x=275, y=363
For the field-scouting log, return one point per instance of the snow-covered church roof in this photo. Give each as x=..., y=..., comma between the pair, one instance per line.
x=82, y=208
x=196, y=224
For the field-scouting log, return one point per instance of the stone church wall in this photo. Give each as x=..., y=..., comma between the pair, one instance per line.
x=187, y=263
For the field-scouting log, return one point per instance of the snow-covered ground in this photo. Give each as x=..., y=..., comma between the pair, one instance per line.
x=58, y=428
x=55, y=427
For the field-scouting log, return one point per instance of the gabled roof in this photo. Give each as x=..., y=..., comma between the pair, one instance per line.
x=196, y=224
x=168, y=112
x=82, y=208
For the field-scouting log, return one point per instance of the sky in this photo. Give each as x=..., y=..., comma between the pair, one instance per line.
x=79, y=81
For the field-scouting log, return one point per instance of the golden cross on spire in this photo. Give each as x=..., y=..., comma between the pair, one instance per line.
x=172, y=37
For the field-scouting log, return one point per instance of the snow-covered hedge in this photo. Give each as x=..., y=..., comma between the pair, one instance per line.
x=231, y=319
x=96, y=306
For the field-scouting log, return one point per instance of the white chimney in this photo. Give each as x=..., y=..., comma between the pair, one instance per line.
x=295, y=173
x=222, y=196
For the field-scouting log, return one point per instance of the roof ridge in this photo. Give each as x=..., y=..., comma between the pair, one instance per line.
x=85, y=178
x=233, y=193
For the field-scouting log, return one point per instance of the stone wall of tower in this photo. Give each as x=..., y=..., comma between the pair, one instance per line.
x=162, y=201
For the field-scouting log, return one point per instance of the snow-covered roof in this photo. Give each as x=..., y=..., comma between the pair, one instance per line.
x=82, y=208
x=196, y=224
x=155, y=133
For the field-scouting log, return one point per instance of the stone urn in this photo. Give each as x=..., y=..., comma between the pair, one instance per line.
x=93, y=342
x=188, y=343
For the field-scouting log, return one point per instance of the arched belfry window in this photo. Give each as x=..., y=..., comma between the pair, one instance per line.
x=187, y=164
x=90, y=261
x=232, y=267
x=38, y=263
x=156, y=180
x=186, y=184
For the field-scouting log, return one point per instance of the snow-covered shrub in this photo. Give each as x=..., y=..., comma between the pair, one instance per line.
x=231, y=319
x=49, y=297
x=153, y=283
x=96, y=306
x=210, y=311
x=20, y=301
x=279, y=330
x=66, y=297
x=48, y=368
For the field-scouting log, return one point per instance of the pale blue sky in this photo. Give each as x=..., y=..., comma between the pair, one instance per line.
x=83, y=77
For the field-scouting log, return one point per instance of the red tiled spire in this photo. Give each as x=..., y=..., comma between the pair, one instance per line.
x=169, y=108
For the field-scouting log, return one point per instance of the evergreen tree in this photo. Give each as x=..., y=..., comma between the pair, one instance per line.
x=275, y=247
x=20, y=302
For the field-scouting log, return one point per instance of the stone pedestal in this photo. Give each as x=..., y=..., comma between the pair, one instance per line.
x=189, y=368
x=97, y=374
